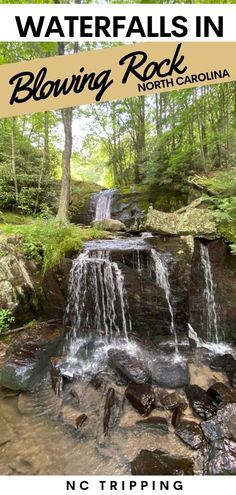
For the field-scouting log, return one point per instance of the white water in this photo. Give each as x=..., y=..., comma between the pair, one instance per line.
x=97, y=301
x=220, y=348
x=103, y=204
x=162, y=280
x=211, y=321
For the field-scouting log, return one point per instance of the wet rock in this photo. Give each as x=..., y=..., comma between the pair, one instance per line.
x=171, y=400
x=24, y=403
x=81, y=420
x=231, y=374
x=223, y=267
x=212, y=430
x=131, y=367
x=221, y=363
x=200, y=401
x=227, y=364
x=227, y=419
x=157, y=462
x=220, y=458
x=155, y=422
x=57, y=380
x=220, y=431
x=220, y=393
x=110, y=401
x=176, y=416
x=110, y=225
x=171, y=375
x=190, y=433
x=27, y=359
x=141, y=396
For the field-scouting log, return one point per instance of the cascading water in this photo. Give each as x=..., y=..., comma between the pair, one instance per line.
x=162, y=280
x=103, y=204
x=97, y=310
x=97, y=299
x=211, y=322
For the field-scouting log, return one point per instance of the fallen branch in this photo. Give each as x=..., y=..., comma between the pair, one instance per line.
x=27, y=327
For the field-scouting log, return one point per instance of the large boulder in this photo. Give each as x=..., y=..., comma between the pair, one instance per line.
x=23, y=289
x=191, y=220
x=110, y=225
x=16, y=284
x=27, y=359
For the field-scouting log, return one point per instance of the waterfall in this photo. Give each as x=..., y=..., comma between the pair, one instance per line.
x=162, y=281
x=103, y=204
x=211, y=323
x=97, y=301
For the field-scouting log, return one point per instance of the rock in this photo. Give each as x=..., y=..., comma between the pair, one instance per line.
x=220, y=458
x=176, y=416
x=141, y=396
x=56, y=377
x=223, y=267
x=212, y=430
x=220, y=431
x=190, y=433
x=221, y=363
x=200, y=401
x=170, y=375
x=199, y=222
x=27, y=359
x=172, y=400
x=227, y=419
x=16, y=285
x=110, y=401
x=154, y=422
x=157, y=462
x=220, y=393
x=227, y=364
x=128, y=365
x=110, y=225
x=231, y=374
x=81, y=420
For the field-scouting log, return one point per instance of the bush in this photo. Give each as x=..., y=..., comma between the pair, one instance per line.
x=6, y=319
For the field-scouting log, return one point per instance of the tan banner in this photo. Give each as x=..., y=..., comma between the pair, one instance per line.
x=112, y=73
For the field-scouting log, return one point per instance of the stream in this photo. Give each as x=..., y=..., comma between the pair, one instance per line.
x=133, y=379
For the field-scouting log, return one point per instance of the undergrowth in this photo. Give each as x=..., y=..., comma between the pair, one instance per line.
x=222, y=187
x=49, y=241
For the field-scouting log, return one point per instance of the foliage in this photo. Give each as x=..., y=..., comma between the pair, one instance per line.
x=222, y=187
x=6, y=319
x=49, y=241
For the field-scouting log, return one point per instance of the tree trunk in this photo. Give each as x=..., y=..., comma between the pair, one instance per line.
x=45, y=160
x=64, y=201
x=13, y=157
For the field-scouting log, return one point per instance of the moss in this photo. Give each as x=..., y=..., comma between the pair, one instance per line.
x=14, y=218
x=48, y=242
